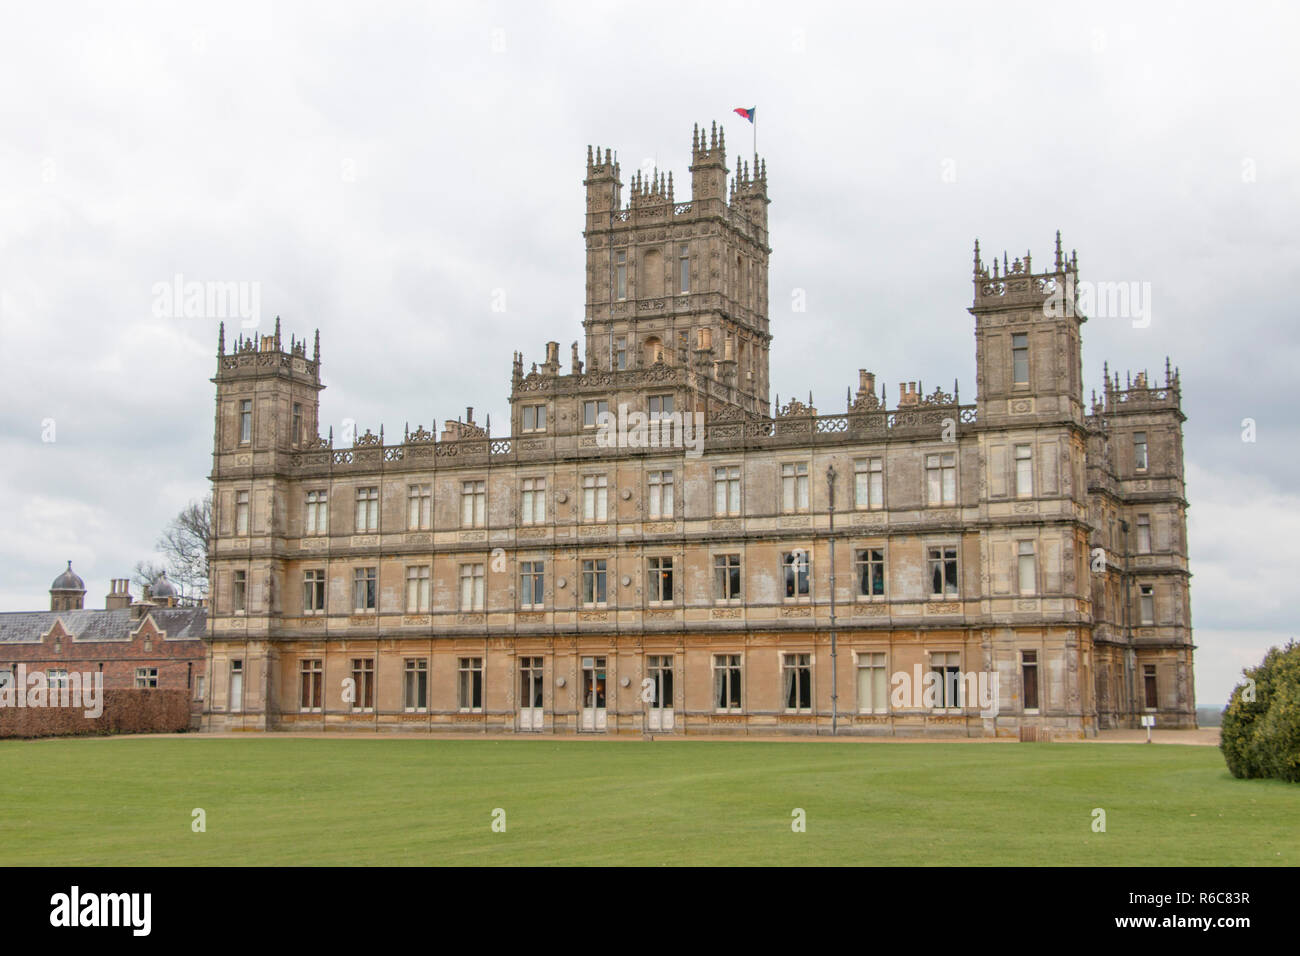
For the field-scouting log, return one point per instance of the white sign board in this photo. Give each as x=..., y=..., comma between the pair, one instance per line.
x=1148, y=720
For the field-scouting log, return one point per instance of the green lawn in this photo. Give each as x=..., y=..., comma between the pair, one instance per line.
x=284, y=801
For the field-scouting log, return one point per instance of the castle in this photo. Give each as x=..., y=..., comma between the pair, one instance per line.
x=548, y=580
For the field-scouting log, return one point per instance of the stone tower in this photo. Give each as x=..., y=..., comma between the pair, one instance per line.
x=267, y=410
x=1142, y=581
x=1033, y=496
x=681, y=283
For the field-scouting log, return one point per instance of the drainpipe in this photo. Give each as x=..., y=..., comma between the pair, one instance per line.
x=830, y=484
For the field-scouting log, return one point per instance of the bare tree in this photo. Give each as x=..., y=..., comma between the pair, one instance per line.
x=146, y=573
x=184, y=545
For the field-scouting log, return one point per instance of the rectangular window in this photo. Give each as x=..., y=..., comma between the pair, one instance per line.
x=241, y=512
x=531, y=689
x=794, y=487
x=239, y=592
x=245, y=421
x=1146, y=604
x=659, y=574
x=367, y=510
x=869, y=483
x=595, y=497
x=419, y=507
x=870, y=566
x=533, y=502
x=941, y=479
x=296, y=437
x=1020, y=358
x=660, y=406
x=532, y=583
x=591, y=412
x=1140, y=451
x=1144, y=534
x=593, y=581
x=660, y=667
x=56, y=679
x=794, y=567
x=726, y=683
x=534, y=418
x=313, y=591
x=469, y=697
x=946, y=666
x=1029, y=680
x=873, y=683
x=236, y=686
x=620, y=352
x=620, y=275
x=199, y=683
x=146, y=677
x=1151, y=699
x=363, y=589
x=796, y=671
x=683, y=269
x=473, y=504
x=415, y=685
x=726, y=577
x=943, y=572
x=661, y=494
x=417, y=589
x=1026, y=567
x=471, y=587
x=318, y=519
x=363, y=683
x=311, y=685
x=726, y=490
x=1024, y=471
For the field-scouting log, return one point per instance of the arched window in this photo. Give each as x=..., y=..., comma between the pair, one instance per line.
x=653, y=351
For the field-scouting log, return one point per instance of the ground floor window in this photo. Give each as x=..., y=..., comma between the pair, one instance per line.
x=146, y=677
x=311, y=685
x=797, y=676
x=726, y=682
x=873, y=683
x=660, y=667
x=363, y=683
x=946, y=666
x=236, y=686
x=415, y=685
x=470, y=685
x=530, y=682
x=1149, y=688
x=1029, y=680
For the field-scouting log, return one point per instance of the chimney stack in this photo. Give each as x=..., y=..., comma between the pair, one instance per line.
x=119, y=594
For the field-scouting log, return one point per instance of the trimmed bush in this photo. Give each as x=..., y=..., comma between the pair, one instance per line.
x=127, y=711
x=1260, y=736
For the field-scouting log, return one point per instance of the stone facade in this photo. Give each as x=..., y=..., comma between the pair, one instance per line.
x=570, y=576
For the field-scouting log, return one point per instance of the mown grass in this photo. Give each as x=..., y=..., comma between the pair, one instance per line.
x=295, y=801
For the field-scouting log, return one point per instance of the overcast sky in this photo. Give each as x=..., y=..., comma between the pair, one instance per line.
x=380, y=170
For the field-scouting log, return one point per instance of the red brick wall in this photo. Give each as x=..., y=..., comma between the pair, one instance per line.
x=119, y=659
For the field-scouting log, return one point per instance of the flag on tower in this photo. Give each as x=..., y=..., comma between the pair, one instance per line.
x=746, y=113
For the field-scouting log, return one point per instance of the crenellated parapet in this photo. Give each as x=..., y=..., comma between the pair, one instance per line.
x=1139, y=393
x=1013, y=283
x=254, y=355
